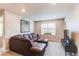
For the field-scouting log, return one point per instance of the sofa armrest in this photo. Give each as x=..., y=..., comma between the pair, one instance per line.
x=36, y=51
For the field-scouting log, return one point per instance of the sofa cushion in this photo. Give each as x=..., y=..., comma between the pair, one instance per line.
x=26, y=36
x=33, y=43
x=40, y=46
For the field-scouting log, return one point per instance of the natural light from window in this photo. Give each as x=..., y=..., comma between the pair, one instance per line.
x=48, y=28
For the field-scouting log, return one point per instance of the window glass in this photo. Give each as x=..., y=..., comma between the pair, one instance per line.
x=48, y=28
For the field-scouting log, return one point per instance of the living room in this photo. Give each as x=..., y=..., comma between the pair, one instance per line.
x=47, y=21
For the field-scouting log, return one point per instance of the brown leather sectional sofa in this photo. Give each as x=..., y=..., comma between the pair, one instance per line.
x=28, y=44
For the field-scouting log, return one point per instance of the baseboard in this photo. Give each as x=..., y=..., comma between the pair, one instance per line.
x=3, y=50
x=7, y=50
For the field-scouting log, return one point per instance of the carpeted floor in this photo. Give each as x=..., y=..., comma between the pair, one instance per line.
x=53, y=49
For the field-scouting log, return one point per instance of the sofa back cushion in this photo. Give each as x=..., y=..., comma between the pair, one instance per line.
x=26, y=36
x=19, y=37
x=33, y=36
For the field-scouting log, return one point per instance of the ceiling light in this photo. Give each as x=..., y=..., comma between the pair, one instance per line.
x=23, y=10
x=53, y=3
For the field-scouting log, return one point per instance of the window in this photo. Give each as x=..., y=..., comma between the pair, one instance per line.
x=48, y=28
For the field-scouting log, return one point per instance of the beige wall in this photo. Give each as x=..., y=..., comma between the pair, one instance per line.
x=59, y=29
x=73, y=25
x=12, y=26
x=72, y=20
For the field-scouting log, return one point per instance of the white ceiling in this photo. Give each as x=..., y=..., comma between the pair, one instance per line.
x=40, y=11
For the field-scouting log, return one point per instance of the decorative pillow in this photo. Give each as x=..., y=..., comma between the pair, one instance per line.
x=30, y=36
x=34, y=35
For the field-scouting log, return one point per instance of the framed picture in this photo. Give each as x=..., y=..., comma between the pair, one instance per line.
x=24, y=26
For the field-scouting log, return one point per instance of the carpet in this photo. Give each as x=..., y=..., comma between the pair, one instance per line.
x=54, y=49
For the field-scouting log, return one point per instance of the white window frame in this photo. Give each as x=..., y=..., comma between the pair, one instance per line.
x=47, y=28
